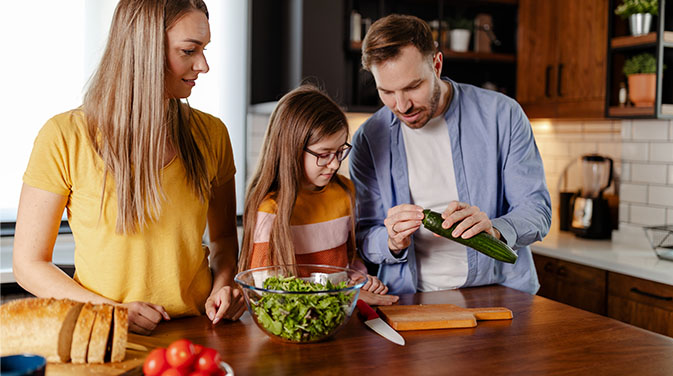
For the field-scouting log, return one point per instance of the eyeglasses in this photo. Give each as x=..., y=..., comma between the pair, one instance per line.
x=323, y=160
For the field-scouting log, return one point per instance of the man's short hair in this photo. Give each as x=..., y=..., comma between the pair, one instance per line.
x=389, y=34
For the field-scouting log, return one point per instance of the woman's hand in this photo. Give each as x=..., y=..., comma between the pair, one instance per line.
x=377, y=299
x=375, y=285
x=225, y=303
x=144, y=317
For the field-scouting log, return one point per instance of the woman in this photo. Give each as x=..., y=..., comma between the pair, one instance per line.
x=140, y=173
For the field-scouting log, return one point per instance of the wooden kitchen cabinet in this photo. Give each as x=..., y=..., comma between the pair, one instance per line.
x=642, y=303
x=573, y=284
x=561, y=65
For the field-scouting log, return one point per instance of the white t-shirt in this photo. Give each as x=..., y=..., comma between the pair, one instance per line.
x=441, y=263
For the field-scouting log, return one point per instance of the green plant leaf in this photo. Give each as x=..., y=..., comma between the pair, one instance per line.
x=643, y=63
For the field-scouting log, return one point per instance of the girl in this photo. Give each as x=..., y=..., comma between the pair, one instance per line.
x=297, y=208
x=140, y=173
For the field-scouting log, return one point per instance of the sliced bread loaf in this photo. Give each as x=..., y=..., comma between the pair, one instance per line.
x=42, y=326
x=99, y=334
x=120, y=332
x=82, y=333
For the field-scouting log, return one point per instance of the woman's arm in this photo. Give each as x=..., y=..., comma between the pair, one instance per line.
x=37, y=225
x=225, y=300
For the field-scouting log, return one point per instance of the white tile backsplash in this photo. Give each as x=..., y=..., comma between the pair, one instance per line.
x=643, y=154
x=626, y=130
x=635, y=151
x=648, y=173
x=661, y=152
x=624, y=212
x=626, y=171
x=650, y=130
x=633, y=193
x=660, y=195
x=646, y=215
x=611, y=149
x=580, y=148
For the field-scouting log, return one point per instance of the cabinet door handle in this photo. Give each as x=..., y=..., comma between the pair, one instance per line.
x=559, y=80
x=547, y=73
x=562, y=271
x=655, y=296
x=548, y=267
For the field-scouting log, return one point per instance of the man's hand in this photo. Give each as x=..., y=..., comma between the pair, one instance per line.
x=225, y=303
x=473, y=220
x=402, y=221
x=375, y=285
x=144, y=317
x=377, y=299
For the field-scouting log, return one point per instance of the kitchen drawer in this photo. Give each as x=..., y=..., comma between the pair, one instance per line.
x=577, y=285
x=642, y=303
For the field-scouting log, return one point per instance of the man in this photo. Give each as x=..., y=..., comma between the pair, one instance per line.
x=466, y=152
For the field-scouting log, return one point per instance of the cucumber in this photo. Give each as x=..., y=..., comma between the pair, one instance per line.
x=482, y=242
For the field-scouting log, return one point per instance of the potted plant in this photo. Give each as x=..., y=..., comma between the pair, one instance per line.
x=639, y=13
x=640, y=70
x=461, y=29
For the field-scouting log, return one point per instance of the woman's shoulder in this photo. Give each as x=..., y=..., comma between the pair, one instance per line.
x=209, y=121
x=69, y=123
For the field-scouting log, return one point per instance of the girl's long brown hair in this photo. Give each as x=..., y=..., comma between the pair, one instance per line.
x=131, y=121
x=301, y=118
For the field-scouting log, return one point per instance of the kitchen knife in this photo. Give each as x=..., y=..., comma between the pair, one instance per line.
x=373, y=321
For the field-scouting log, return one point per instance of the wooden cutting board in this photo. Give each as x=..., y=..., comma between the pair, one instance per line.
x=439, y=316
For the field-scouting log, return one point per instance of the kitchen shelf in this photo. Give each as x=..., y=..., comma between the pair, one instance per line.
x=479, y=56
x=640, y=41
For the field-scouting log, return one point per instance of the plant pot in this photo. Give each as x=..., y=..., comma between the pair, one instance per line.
x=640, y=23
x=460, y=39
x=642, y=89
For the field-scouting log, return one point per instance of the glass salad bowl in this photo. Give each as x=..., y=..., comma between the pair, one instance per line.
x=301, y=303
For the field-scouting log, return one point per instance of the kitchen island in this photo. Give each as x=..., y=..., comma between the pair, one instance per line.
x=543, y=338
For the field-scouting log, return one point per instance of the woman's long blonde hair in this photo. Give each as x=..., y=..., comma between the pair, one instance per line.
x=130, y=119
x=302, y=117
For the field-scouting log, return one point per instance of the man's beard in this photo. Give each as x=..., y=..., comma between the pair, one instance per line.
x=434, y=104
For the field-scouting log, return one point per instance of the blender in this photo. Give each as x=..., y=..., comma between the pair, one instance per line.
x=590, y=210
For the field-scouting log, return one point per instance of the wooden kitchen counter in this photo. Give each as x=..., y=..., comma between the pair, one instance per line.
x=544, y=338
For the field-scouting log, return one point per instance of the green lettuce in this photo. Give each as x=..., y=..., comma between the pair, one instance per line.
x=301, y=317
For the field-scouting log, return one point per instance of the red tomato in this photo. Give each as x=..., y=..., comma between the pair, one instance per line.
x=180, y=354
x=197, y=349
x=200, y=373
x=209, y=360
x=155, y=363
x=176, y=372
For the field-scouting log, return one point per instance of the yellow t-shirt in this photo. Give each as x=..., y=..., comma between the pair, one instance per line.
x=164, y=263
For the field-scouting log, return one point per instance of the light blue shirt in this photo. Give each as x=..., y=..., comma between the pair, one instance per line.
x=497, y=166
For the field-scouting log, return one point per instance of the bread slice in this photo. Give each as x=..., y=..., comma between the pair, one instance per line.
x=82, y=333
x=120, y=327
x=99, y=334
x=42, y=326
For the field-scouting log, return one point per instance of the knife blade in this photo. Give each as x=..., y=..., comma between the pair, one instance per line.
x=373, y=321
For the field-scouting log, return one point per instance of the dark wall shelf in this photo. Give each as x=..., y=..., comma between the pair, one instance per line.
x=496, y=69
x=622, y=46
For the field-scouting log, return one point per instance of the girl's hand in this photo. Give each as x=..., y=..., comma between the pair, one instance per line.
x=144, y=317
x=375, y=285
x=377, y=299
x=225, y=303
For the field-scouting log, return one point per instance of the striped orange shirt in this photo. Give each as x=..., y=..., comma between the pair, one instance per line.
x=320, y=224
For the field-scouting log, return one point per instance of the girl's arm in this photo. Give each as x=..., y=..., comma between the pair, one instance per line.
x=225, y=300
x=37, y=225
